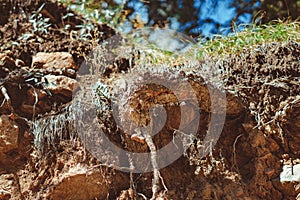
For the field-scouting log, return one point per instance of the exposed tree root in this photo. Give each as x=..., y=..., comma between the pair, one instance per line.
x=156, y=173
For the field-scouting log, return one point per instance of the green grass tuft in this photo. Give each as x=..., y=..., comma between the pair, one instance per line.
x=252, y=36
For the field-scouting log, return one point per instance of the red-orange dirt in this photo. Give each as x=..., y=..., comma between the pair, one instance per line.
x=256, y=157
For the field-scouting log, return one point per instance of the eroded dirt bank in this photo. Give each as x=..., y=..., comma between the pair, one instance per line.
x=260, y=137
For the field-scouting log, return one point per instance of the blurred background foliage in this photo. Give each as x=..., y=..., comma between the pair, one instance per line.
x=192, y=17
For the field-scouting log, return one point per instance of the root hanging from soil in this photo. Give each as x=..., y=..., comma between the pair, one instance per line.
x=53, y=128
x=156, y=173
x=6, y=98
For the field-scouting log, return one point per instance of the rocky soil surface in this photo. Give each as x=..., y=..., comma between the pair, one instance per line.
x=256, y=157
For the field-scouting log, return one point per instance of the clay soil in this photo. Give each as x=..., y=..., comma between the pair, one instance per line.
x=260, y=136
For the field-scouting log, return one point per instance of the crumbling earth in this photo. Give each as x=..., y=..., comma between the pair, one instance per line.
x=256, y=156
